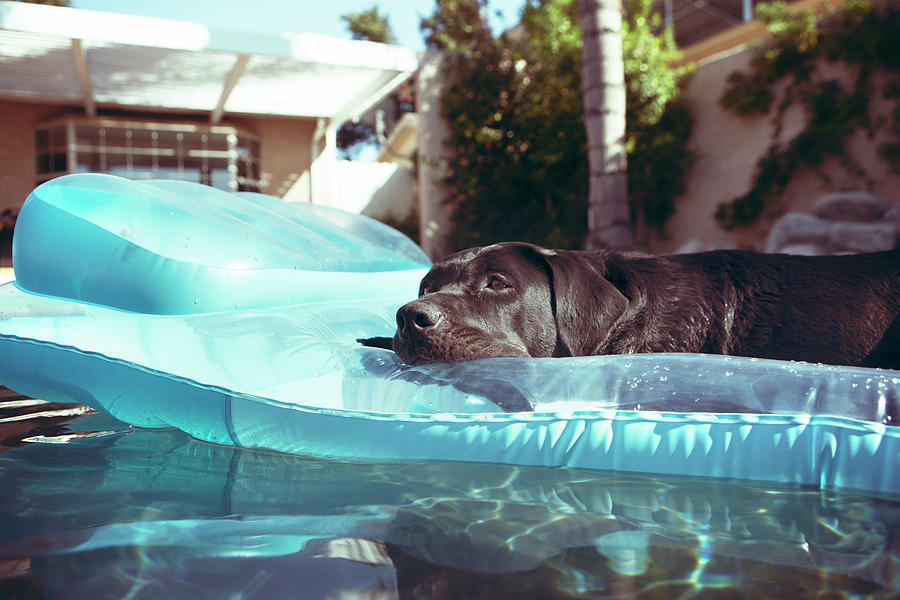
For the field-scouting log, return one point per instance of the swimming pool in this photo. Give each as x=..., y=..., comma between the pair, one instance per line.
x=93, y=508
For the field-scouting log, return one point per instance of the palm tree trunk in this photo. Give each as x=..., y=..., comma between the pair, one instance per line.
x=603, y=89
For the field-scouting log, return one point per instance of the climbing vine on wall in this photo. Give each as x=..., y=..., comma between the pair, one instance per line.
x=863, y=38
x=514, y=109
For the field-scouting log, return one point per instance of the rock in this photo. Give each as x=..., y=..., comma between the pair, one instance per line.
x=797, y=228
x=850, y=206
x=803, y=249
x=862, y=237
x=845, y=222
x=892, y=214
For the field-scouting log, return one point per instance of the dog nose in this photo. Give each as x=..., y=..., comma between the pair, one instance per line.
x=416, y=316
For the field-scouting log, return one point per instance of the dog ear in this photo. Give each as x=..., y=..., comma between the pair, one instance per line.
x=585, y=302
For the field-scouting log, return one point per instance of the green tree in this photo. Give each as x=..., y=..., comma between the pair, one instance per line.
x=459, y=26
x=516, y=129
x=658, y=121
x=370, y=25
x=514, y=115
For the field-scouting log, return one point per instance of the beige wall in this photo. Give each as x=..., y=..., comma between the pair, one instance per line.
x=17, y=153
x=285, y=152
x=728, y=147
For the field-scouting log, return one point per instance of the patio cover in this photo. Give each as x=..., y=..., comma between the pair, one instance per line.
x=98, y=59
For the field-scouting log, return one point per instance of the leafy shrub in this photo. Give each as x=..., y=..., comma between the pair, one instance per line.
x=515, y=113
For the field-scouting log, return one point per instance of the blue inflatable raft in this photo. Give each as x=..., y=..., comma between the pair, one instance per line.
x=234, y=318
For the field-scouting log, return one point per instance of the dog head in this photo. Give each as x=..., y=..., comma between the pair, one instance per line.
x=509, y=299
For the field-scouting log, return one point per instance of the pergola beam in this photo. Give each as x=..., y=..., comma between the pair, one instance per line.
x=240, y=65
x=382, y=85
x=84, y=80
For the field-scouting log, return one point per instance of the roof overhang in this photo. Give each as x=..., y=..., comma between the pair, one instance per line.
x=105, y=60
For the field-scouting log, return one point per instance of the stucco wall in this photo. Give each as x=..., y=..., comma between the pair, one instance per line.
x=728, y=147
x=285, y=151
x=17, y=153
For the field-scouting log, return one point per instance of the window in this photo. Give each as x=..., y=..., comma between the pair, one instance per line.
x=222, y=157
x=51, y=148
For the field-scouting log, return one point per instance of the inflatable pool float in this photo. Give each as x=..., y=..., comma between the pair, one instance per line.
x=234, y=317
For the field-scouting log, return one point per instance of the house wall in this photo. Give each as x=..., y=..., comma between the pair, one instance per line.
x=284, y=151
x=728, y=147
x=17, y=152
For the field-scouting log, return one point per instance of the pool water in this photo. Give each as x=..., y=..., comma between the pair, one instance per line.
x=91, y=508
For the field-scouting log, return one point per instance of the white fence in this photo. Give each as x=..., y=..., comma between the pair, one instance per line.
x=375, y=189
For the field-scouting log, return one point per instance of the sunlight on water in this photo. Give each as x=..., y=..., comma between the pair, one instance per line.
x=97, y=509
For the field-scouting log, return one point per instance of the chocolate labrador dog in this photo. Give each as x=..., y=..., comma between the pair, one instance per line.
x=517, y=299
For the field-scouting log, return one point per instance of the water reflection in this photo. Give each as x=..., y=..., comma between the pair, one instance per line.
x=156, y=514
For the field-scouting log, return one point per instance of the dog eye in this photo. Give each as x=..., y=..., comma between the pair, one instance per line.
x=425, y=289
x=496, y=283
